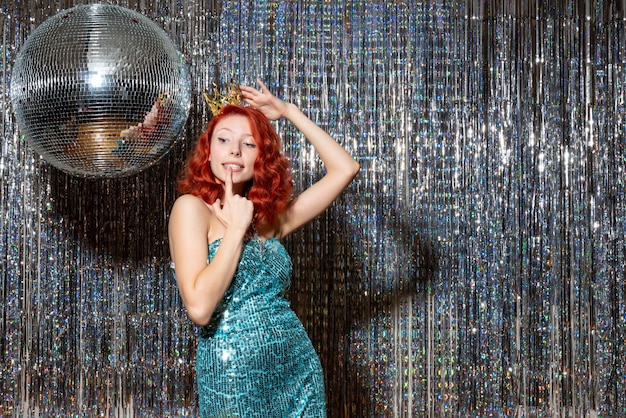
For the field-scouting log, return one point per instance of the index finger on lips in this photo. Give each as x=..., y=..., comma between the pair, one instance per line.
x=228, y=182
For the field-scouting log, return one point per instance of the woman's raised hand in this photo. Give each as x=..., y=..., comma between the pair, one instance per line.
x=235, y=211
x=271, y=106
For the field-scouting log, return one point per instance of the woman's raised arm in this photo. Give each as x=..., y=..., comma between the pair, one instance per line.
x=340, y=166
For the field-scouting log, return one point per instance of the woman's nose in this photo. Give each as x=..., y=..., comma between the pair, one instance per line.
x=235, y=150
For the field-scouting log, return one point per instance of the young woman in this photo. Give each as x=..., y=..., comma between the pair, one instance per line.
x=254, y=356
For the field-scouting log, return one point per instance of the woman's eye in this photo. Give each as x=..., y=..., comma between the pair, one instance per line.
x=250, y=144
x=221, y=139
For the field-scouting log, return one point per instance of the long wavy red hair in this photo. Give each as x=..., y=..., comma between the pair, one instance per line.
x=271, y=187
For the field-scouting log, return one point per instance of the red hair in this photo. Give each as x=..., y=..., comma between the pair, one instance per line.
x=271, y=186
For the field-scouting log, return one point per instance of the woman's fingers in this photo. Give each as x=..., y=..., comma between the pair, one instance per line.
x=263, y=86
x=228, y=189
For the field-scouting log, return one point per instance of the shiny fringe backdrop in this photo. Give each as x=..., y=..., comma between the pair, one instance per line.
x=474, y=268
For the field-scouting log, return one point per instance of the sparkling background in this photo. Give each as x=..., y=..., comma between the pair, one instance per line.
x=474, y=268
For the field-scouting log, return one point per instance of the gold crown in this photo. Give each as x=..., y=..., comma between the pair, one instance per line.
x=217, y=101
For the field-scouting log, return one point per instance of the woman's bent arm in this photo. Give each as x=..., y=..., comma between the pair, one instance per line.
x=340, y=166
x=202, y=286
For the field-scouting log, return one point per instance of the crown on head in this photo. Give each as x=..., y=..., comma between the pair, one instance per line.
x=217, y=101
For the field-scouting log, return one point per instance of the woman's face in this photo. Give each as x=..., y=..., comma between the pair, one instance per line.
x=233, y=148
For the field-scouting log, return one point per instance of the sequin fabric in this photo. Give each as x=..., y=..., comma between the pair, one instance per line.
x=255, y=358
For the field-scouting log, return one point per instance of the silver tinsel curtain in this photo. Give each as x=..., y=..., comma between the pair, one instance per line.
x=476, y=266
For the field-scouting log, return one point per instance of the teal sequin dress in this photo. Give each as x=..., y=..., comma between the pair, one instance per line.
x=254, y=358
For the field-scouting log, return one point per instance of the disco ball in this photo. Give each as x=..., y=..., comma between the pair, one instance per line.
x=100, y=91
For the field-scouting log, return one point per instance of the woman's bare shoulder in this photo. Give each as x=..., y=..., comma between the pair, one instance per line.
x=189, y=199
x=190, y=207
